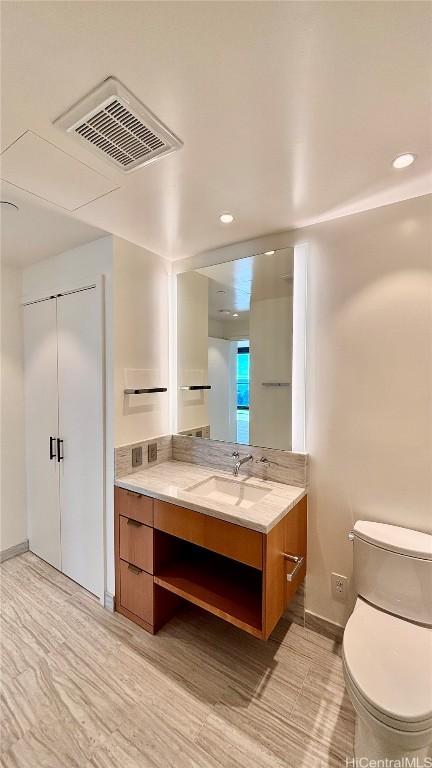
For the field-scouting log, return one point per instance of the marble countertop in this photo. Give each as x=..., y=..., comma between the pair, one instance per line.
x=169, y=480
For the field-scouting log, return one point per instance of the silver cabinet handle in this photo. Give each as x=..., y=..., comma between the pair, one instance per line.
x=134, y=569
x=135, y=523
x=298, y=560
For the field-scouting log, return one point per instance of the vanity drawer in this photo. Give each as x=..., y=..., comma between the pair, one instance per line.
x=136, y=591
x=134, y=505
x=234, y=541
x=136, y=543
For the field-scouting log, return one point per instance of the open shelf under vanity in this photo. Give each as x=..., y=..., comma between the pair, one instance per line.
x=224, y=587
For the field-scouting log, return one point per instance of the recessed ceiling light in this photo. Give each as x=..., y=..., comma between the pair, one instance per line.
x=268, y=253
x=9, y=204
x=221, y=291
x=226, y=218
x=235, y=314
x=403, y=161
x=224, y=311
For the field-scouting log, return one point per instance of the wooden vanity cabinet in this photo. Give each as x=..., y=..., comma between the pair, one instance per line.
x=137, y=596
x=287, y=537
x=166, y=553
x=133, y=542
x=233, y=541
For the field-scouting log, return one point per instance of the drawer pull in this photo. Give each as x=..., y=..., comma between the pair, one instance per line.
x=136, y=523
x=134, y=569
x=298, y=560
x=135, y=495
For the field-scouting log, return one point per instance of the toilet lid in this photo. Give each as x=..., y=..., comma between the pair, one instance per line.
x=389, y=661
x=403, y=541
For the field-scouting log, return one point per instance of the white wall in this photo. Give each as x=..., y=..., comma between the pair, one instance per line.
x=369, y=382
x=270, y=339
x=13, y=529
x=141, y=332
x=192, y=349
x=69, y=270
x=222, y=372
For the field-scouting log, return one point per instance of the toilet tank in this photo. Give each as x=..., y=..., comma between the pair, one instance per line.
x=393, y=569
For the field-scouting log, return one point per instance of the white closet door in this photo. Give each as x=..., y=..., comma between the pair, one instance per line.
x=80, y=427
x=41, y=407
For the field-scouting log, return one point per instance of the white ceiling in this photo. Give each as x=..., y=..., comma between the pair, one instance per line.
x=37, y=231
x=290, y=112
x=234, y=284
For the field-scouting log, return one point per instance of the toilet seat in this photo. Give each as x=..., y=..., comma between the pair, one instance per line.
x=388, y=667
x=390, y=724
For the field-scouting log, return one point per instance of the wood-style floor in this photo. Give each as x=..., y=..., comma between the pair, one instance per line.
x=83, y=687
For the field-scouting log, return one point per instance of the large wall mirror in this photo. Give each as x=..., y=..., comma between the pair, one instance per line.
x=235, y=350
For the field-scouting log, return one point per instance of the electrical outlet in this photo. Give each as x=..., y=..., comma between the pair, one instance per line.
x=339, y=586
x=137, y=456
x=152, y=452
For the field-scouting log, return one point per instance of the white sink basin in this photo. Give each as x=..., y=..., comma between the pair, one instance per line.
x=235, y=493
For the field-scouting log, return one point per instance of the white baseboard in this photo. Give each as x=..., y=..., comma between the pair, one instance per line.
x=109, y=602
x=18, y=549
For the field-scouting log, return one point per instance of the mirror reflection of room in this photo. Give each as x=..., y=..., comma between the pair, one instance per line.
x=235, y=324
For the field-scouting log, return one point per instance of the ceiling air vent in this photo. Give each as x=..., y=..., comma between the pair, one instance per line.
x=112, y=122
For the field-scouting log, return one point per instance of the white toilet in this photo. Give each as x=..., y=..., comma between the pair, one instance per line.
x=387, y=644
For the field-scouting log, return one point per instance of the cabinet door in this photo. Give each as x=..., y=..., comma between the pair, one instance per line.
x=41, y=411
x=80, y=427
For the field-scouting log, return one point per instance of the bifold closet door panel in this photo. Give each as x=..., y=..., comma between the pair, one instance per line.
x=80, y=427
x=41, y=423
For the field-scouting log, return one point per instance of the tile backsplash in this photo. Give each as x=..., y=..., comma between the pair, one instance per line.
x=123, y=454
x=283, y=467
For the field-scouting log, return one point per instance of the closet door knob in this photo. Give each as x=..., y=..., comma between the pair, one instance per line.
x=60, y=455
x=52, y=450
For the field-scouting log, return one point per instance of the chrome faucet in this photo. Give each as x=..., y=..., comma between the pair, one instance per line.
x=240, y=461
